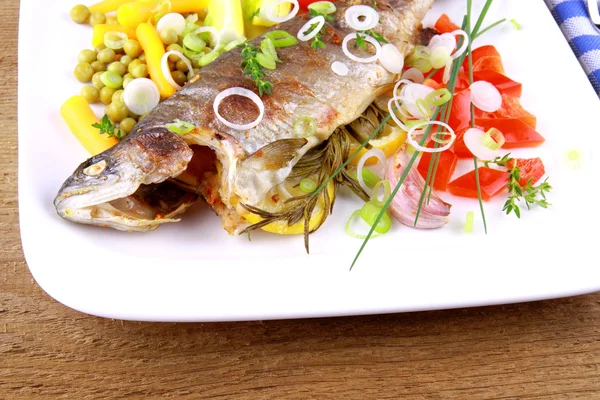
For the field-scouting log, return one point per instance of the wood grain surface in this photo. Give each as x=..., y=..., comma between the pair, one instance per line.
x=542, y=350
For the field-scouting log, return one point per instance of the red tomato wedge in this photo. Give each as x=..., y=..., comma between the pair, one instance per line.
x=445, y=169
x=491, y=181
x=504, y=84
x=445, y=25
x=531, y=168
x=516, y=132
x=511, y=108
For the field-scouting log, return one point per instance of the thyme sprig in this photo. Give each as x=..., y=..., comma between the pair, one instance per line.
x=253, y=68
x=107, y=127
x=317, y=42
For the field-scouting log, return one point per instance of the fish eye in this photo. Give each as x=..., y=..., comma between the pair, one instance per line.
x=95, y=169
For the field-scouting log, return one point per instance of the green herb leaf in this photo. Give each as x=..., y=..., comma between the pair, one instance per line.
x=107, y=127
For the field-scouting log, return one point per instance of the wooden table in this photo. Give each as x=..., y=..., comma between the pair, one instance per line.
x=543, y=350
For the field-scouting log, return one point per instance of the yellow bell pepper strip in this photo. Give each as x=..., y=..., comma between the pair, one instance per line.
x=80, y=117
x=101, y=29
x=154, y=50
x=107, y=6
x=132, y=14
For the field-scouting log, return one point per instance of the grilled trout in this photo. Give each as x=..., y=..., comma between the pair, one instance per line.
x=153, y=175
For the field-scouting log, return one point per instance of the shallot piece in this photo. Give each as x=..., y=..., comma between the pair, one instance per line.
x=405, y=204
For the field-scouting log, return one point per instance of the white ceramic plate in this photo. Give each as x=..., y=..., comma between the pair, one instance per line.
x=193, y=271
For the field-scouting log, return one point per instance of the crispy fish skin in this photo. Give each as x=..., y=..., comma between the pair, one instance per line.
x=250, y=162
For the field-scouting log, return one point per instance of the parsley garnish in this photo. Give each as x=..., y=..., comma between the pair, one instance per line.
x=516, y=193
x=253, y=68
x=107, y=127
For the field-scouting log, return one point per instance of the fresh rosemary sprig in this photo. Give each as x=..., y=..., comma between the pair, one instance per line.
x=253, y=68
x=106, y=127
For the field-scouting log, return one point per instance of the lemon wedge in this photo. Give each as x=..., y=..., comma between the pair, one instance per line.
x=393, y=137
x=282, y=228
x=227, y=18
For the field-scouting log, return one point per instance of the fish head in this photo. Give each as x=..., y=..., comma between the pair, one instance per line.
x=112, y=188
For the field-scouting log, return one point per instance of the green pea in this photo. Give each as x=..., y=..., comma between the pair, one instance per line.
x=168, y=36
x=97, y=18
x=117, y=67
x=117, y=97
x=87, y=56
x=182, y=66
x=84, y=72
x=98, y=66
x=99, y=48
x=106, y=56
x=126, y=79
x=132, y=48
x=96, y=81
x=90, y=94
x=80, y=14
x=142, y=57
x=127, y=124
x=140, y=71
x=117, y=111
x=174, y=47
x=106, y=95
x=179, y=77
x=126, y=60
x=133, y=64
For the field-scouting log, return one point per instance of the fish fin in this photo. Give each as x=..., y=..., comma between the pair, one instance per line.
x=275, y=155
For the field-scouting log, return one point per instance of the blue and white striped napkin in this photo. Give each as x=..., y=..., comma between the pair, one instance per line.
x=584, y=37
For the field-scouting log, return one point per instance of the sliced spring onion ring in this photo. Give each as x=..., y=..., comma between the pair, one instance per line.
x=239, y=91
x=141, y=96
x=391, y=58
x=485, y=96
x=356, y=218
x=413, y=74
x=469, y=222
x=369, y=213
x=115, y=40
x=266, y=61
x=271, y=11
x=193, y=18
x=515, y=24
x=180, y=127
x=235, y=43
x=194, y=42
x=412, y=96
x=305, y=126
x=447, y=71
x=319, y=20
x=360, y=167
x=370, y=17
x=208, y=58
x=173, y=21
x=268, y=48
x=438, y=97
x=308, y=185
x=367, y=38
x=214, y=34
x=423, y=65
x=340, y=68
x=424, y=108
x=111, y=79
x=164, y=66
x=411, y=140
x=281, y=38
x=323, y=7
x=473, y=139
x=446, y=138
x=387, y=192
x=439, y=57
x=493, y=139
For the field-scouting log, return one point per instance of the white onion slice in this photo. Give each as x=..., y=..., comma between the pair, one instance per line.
x=398, y=109
x=354, y=13
x=382, y=160
x=448, y=41
x=340, y=68
x=141, y=96
x=367, y=38
x=410, y=94
x=485, y=96
x=164, y=66
x=174, y=21
x=411, y=140
x=391, y=58
x=238, y=91
x=214, y=33
x=320, y=20
x=413, y=74
x=464, y=46
x=271, y=11
x=473, y=138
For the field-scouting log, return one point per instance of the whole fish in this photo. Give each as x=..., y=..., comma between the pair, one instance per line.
x=153, y=175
